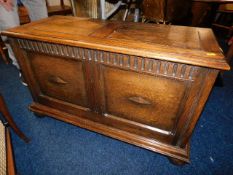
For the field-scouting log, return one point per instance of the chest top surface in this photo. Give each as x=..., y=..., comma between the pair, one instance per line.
x=188, y=45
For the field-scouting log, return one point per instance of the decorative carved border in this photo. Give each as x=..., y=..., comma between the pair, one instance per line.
x=138, y=64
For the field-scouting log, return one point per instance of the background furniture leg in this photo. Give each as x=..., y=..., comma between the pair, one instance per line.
x=2, y=53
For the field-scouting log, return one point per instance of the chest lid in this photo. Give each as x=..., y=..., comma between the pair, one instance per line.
x=188, y=45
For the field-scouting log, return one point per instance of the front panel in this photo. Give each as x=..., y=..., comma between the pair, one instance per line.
x=139, y=100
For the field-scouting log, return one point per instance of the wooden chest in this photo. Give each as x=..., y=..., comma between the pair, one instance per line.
x=144, y=84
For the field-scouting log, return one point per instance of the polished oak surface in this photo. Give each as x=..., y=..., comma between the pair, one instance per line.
x=140, y=83
x=172, y=43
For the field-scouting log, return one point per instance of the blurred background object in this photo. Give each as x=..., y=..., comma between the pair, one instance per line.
x=59, y=9
x=167, y=11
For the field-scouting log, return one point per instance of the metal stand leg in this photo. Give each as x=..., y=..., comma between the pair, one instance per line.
x=72, y=3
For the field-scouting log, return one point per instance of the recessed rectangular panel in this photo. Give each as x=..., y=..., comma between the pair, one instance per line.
x=164, y=35
x=142, y=98
x=60, y=78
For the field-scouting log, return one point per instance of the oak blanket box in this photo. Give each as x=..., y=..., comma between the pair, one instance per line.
x=144, y=84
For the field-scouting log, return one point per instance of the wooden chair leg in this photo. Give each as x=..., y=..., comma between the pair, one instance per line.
x=9, y=119
x=3, y=56
x=10, y=157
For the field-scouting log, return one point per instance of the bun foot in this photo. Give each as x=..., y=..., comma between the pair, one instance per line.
x=38, y=115
x=176, y=161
